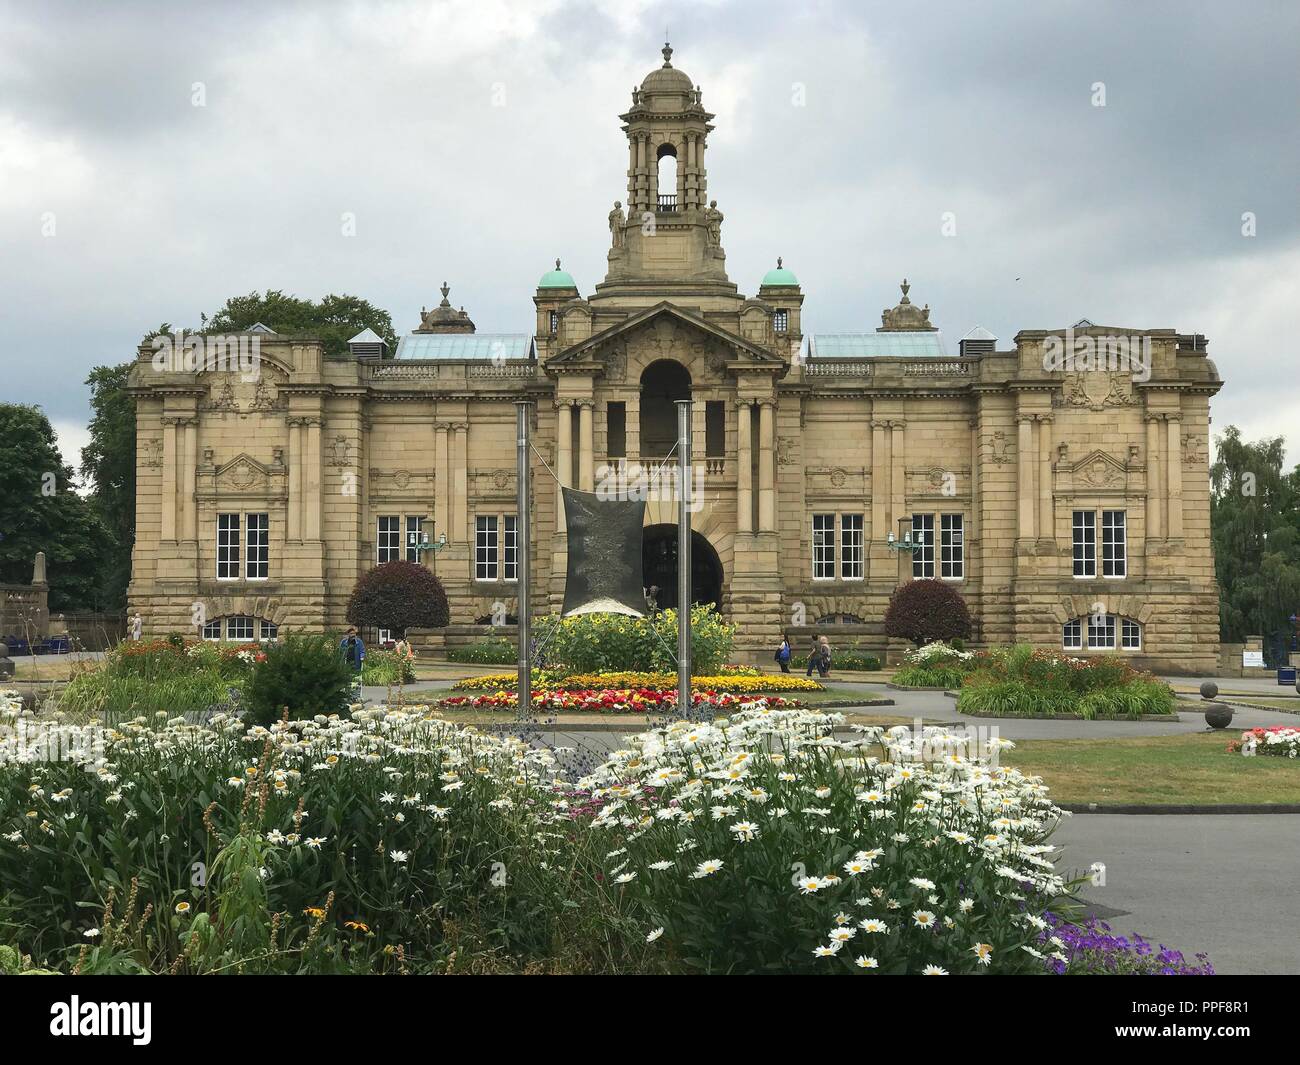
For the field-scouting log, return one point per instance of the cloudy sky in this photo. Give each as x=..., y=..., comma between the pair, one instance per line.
x=477, y=141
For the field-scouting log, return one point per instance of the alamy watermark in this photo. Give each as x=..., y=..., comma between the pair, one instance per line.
x=634, y=482
x=182, y=352
x=1089, y=352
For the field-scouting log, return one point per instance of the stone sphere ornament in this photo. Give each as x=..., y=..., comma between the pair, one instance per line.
x=1209, y=689
x=1218, y=715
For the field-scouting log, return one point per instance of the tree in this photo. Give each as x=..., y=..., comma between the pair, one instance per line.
x=109, y=462
x=335, y=319
x=399, y=596
x=40, y=510
x=926, y=610
x=1255, y=531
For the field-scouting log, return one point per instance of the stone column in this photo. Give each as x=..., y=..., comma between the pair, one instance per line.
x=311, y=495
x=1155, y=486
x=744, y=470
x=1174, y=476
x=1046, y=508
x=880, y=527
x=563, y=457
x=293, y=510
x=586, y=450
x=1025, y=476
x=170, y=461
x=897, y=474
x=442, y=483
x=972, y=518
x=767, y=466
x=632, y=426
x=189, y=459
x=460, y=478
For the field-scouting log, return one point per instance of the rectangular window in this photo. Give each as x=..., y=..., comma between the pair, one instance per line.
x=268, y=630
x=388, y=541
x=1130, y=635
x=823, y=545
x=227, y=547
x=923, y=534
x=239, y=628
x=510, y=549
x=212, y=630
x=1101, y=632
x=951, y=547
x=1114, y=553
x=715, y=429
x=257, y=566
x=485, y=547
x=616, y=430
x=1085, y=543
x=851, y=547
x=414, y=530
x=1072, y=635
x=780, y=321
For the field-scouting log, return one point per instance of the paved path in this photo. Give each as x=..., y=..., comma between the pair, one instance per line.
x=1226, y=885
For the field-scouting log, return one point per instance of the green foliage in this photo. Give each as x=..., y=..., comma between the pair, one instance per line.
x=399, y=596
x=936, y=665
x=108, y=462
x=41, y=511
x=1022, y=681
x=852, y=659
x=335, y=319
x=494, y=652
x=386, y=667
x=1255, y=529
x=594, y=643
x=306, y=674
x=924, y=611
x=114, y=699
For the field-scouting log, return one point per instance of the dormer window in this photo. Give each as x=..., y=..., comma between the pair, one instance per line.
x=781, y=321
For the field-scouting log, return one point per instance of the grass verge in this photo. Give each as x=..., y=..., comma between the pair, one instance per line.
x=1156, y=770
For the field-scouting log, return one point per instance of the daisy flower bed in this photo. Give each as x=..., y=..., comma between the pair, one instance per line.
x=392, y=840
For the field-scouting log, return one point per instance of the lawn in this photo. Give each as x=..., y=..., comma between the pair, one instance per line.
x=1157, y=770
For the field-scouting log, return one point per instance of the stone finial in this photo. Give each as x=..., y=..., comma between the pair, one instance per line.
x=668, y=54
x=557, y=264
x=778, y=262
x=906, y=317
x=38, y=568
x=444, y=290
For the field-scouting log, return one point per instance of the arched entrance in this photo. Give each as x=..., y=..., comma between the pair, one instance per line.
x=663, y=383
x=659, y=566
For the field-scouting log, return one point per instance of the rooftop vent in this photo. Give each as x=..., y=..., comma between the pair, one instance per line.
x=979, y=341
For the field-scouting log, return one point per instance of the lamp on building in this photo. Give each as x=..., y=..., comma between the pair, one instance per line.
x=905, y=541
x=421, y=542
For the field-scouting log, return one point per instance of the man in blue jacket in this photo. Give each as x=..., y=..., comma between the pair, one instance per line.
x=354, y=653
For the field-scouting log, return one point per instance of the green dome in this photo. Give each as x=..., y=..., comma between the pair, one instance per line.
x=557, y=278
x=779, y=276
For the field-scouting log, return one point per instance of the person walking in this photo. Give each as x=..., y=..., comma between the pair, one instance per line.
x=783, y=653
x=354, y=653
x=814, y=654
x=823, y=657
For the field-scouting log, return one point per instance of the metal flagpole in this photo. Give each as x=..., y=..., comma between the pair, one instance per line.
x=523, y=557
x=683, y=557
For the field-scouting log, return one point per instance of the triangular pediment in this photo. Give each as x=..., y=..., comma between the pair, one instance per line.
x=741, y=349
x=1091, y=461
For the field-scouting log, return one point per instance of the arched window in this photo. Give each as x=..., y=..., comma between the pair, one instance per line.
x=667, y=156
x=1104, y=632
x=662, y=384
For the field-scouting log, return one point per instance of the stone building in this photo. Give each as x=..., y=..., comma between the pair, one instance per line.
x=1060, y=481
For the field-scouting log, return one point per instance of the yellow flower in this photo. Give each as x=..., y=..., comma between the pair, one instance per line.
x=314, y=912
x=182, y=907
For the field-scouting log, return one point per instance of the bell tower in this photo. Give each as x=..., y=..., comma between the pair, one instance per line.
x=670, y=232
